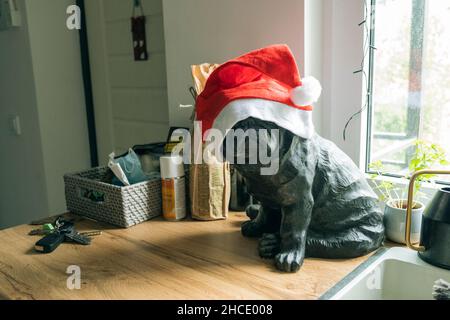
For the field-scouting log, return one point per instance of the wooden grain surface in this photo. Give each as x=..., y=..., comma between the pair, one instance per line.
x=159, y=260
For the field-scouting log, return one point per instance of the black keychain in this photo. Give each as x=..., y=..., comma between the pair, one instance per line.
x=139, y=33
x=64, y=231
x=50, y=242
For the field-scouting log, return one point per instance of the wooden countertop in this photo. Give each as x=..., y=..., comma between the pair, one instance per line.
x=159, y=260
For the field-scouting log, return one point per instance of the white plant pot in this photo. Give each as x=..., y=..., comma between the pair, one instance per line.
x=395, y=222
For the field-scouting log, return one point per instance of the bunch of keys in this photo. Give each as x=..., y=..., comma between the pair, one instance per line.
x=64, y=231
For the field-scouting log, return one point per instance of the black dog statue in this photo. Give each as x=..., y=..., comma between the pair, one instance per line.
x=318, y=204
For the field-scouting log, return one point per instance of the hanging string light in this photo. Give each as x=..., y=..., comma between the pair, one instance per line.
x=367, y=47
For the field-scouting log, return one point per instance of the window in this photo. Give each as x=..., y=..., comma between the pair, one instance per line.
x=409, y=78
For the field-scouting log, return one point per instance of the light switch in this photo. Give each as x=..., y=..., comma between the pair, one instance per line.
x=14, y=122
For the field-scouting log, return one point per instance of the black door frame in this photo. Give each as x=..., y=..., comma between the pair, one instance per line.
x=87, y=84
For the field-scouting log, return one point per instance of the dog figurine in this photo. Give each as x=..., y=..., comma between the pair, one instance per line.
x=318, y=204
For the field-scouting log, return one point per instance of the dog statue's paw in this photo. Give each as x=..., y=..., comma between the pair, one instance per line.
x=252, y=229
x=252, y=211
x=269, y=245
x=289, y=261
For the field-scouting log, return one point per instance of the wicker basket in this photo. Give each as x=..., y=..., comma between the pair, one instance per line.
x=91, y=194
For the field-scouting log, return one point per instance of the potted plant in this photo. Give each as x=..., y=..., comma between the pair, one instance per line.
x=426, y=156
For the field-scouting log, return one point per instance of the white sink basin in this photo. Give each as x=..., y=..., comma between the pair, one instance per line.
x=394, y=274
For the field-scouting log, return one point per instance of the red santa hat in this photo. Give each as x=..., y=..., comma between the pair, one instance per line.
x=264, y=84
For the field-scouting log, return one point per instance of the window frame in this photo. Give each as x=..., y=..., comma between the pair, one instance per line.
x=369, y=118
x=370, y=107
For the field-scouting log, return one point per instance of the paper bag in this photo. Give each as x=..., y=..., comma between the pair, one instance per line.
x=209, y=183
x=201, y=73
x=209, y=186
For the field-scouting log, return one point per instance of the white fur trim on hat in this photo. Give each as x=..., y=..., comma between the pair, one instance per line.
x=308, y=93
x=295, y=120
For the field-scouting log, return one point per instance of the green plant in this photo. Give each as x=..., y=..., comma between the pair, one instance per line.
x=426, y=156
x=387, y=190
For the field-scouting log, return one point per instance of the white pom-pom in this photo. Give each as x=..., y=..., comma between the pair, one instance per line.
x=308, y=93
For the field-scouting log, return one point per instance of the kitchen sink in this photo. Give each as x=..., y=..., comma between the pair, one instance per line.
x=390, y=274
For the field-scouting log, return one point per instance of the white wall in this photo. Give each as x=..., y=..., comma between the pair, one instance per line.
x=198, y=31
x=314, y=51
x=23, y=193
x=342, y=90
x=55, y=52
x=40, y=80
